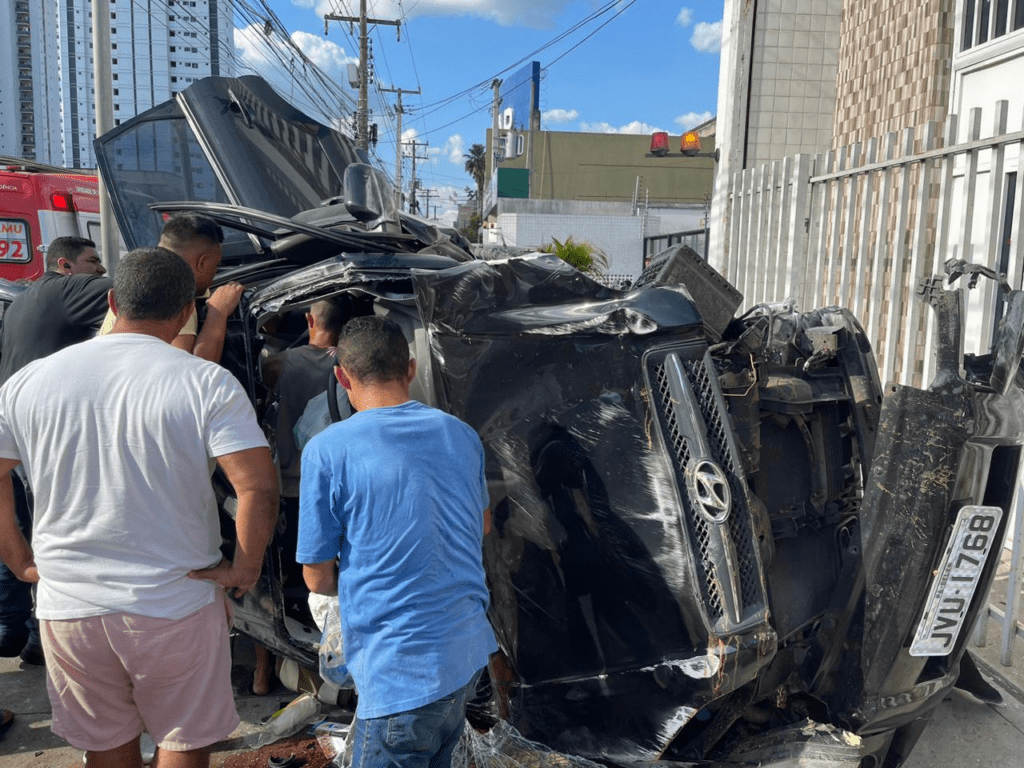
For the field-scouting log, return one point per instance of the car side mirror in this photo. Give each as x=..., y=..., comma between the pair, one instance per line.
x=368, y=195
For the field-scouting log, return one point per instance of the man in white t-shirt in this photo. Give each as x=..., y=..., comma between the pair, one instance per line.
x=126, y=538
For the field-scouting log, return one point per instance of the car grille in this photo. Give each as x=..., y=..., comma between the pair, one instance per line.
x=691, y=414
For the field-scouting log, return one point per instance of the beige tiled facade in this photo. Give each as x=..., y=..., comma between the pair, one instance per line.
x=894, y=67
x=794, y=59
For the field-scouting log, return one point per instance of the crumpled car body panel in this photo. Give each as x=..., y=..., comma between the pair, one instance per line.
x=714, y=537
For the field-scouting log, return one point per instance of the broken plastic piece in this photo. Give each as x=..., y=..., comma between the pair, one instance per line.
x=504, y=747
x=285, y=722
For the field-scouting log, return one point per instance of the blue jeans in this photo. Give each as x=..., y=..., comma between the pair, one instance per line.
x=424, y=737
x=17, y=624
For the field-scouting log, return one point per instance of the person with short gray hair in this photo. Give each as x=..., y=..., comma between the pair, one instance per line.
x=153, y=284
x=126, y=536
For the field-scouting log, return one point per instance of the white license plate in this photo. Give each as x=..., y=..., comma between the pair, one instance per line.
x=956, y=580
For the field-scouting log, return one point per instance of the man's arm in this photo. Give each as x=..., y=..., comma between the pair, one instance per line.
x=252, y=474
x=85, y=299
x=209, y=344
x=14, y=550
x=321, y=578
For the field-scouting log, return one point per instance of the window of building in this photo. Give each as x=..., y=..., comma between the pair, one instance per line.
x=985, y=20
x=113, y=61
x=172, y=49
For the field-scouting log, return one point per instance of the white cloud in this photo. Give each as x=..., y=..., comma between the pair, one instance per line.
x=692, y=119
x=452, y=150
x=283, y=69
x=304, y=3
x=560, y=115
x=539, y=14
x=326, y=54
x=707, y=38
x=685, y=17
x=636, y=127
x=455, y=148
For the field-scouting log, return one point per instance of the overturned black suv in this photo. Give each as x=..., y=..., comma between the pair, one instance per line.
x=717, y=539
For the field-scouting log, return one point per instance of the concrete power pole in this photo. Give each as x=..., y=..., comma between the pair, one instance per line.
x=426, y=206
x=495, y=142
x=412, y=186
x=363, y=108
x=399, y=111
x=110, y=243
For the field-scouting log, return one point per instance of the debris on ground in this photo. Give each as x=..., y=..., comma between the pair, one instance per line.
x=305, y=748
x=504, y=747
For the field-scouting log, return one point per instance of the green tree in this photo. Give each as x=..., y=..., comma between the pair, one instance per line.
x=476, y=166
x=585, y=257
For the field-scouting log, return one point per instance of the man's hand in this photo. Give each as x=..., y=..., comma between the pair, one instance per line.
x=228, y=576
x=15, y=552
x=225, y=299
x=27, y=572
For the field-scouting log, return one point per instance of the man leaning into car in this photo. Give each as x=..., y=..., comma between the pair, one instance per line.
x=125, y=549
x=399, y=487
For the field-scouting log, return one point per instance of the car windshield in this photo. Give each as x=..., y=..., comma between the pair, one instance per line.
x=269, y=156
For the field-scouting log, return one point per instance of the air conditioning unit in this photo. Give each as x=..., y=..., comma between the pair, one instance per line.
x=507, y=118
x=513, y=145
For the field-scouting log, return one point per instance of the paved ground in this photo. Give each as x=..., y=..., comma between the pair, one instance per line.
x=964, y=732
x=30, y=744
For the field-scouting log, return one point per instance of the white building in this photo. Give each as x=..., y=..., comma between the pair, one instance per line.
x=157, y=48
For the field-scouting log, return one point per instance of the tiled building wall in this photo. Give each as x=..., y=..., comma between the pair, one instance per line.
x=620, y=237
x=794, y=59
x=894, y=66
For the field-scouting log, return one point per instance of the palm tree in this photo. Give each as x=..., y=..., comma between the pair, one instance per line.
x=476, y=166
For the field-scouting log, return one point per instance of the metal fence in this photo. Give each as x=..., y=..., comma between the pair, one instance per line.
x=858, y=227
x=695, y=238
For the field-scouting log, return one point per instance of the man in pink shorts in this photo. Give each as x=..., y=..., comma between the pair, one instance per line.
x=117, y=435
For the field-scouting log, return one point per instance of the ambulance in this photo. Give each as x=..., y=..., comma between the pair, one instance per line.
x=37, y=204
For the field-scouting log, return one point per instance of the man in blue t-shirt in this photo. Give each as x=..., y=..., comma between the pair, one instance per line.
x=396, y=493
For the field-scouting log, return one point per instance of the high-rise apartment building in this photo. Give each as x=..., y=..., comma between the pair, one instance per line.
x=158, y=47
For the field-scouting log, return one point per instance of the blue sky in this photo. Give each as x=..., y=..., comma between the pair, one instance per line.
x=635, y=67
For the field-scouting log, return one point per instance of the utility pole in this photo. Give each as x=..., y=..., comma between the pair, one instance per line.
x=363, y=108
x=398, y=160
x=426, y=206
x=110, y=243
x=412, y=186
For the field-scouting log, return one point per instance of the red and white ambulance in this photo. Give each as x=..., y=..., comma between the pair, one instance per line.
x=37, y=204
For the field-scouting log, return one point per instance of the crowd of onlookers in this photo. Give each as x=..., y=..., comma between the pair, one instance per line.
x=113, y=413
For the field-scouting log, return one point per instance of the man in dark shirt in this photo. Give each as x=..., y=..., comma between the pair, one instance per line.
x=297, y=375
x=63, y=307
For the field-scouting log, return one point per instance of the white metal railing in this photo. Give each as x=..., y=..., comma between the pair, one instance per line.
x=858, y=227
